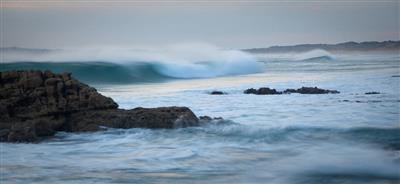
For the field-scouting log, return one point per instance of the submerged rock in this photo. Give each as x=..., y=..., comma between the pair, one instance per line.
x=205, y=118
x=35, y=104
x=372, y=93
x=217, y=93
x=208, y=118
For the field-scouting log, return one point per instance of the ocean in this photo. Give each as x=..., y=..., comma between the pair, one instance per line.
x=351, y=137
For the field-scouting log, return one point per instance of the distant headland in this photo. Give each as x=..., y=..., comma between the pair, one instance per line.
x=345, y=46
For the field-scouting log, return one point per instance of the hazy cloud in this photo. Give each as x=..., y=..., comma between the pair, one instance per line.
x=230, y=24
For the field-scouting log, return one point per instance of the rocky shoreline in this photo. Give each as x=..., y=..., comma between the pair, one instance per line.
x=35, y=105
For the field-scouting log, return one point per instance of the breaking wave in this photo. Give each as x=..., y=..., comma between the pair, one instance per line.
x=136, y=65
x=313, y=55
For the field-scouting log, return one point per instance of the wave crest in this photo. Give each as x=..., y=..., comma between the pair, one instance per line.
x=176, y=61
x=313, y=55
x=317, y=54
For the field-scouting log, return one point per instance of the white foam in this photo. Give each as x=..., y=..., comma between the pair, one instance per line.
x=189, y=60
x=297, y=56
x=313, y=54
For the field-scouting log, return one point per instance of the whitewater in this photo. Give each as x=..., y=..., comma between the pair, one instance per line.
x=349, y=137
x=174, y=61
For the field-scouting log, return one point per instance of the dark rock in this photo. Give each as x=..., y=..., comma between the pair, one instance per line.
x=208, y=119
x=268, y=91
x=302, y=90
x=162, y=117
x=4, y=134
x=217, y=93
x=290, y=91
x=36, y=104
x=372, y=93
x=205, y=118
x=374, y=101
x=90, y=128
x=218, y=118
x=45, y=98
x=250, y=91
x=310, y=90
x=22, y=132
x=262, y=91
x=314, y=90
x=52, y=81
x=66, y=76
x=47, y=126
x=48, y=74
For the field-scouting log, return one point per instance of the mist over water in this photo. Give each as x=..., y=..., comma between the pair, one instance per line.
x=175, y=61
x=349, y=137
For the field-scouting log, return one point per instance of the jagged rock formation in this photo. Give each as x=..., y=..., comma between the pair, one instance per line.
x=35, y=104
x=262, y=91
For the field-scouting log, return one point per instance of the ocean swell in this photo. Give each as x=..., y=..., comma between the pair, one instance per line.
x=313, y=55
x=120, y=65
x=95, y=72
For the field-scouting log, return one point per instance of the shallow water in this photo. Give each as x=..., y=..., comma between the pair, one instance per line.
x=334, y=138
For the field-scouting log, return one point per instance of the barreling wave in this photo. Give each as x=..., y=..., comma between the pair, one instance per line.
x=119, y=65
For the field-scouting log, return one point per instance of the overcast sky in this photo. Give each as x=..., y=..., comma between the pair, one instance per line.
x=228, y=24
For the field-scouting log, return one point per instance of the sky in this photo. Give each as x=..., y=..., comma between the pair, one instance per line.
x=224, y=23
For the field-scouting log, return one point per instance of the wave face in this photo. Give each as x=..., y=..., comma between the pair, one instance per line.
x=134, y=65
x=96, y=72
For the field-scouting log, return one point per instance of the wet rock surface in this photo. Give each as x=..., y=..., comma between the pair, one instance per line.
x=302, y=90
x=372, y=93
x=162, y=117
x=35, y=105
x=310, y=90
x=262, y=91
x=217, y=93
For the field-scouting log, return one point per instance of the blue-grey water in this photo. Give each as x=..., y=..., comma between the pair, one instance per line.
x=349, y=137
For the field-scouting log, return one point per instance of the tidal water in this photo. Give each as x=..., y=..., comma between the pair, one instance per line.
x=344, y=138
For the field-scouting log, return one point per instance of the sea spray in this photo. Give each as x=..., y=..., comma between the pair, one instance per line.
x=175, y=61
